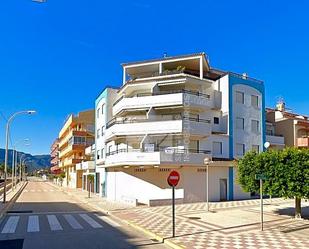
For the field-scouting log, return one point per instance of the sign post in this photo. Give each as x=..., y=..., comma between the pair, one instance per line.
x=173, y=180
x=261, y=177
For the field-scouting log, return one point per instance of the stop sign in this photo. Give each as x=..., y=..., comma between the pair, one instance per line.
x=173, y=178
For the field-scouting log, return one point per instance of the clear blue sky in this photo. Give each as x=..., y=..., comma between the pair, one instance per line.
x=57, y=57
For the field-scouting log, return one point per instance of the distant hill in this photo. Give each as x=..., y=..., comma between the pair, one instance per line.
x=37, y=161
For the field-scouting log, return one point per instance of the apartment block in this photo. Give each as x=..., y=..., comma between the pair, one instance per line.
x=292, y=127
x=170, y=114
x=54, y=157
x=75, y=136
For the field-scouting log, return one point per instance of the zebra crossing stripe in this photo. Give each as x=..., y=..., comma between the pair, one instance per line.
x=90, y=221
x=33, y=224
x=110, y=221
x=54, y=223
x=10, y=225
x=72, y=221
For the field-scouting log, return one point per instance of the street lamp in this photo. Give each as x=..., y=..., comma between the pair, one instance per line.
x=207, y=161
x=14, y=163
x=29, y=112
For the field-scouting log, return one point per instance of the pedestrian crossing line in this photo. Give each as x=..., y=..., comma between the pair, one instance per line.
x=10, y=225
x=72, y=221
x=110, y=221
x=54, y=223
x=33, y=224
x=90, y=221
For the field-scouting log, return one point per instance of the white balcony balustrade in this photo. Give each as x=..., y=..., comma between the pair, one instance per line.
x=192, y=126
x=164, y=99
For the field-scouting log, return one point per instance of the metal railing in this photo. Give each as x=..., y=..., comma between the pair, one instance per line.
x=199, y=94
x=131, y=121
x=174, y=150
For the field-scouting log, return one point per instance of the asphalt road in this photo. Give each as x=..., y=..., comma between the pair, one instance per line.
x=45, y=217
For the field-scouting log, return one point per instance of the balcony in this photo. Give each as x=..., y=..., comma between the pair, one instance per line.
x=193, y=126
x=165, y=156
x=303, y=142
x=69, y=162
x=88, y=165
x=71, y=148
x=164, y=99
x=275, y=140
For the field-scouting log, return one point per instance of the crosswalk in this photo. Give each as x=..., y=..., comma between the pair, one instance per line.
x=53, y=222
x=41, y=190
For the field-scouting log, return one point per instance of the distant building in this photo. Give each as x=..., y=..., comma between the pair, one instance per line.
x=75, y=136
x=54, y=157
x=293, y=127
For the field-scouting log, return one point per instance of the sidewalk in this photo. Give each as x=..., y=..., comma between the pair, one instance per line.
x=11, y=194
x=228, y=225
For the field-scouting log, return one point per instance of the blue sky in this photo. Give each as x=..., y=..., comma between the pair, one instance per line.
x=57, y=57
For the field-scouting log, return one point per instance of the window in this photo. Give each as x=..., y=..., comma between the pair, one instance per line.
x=98, y=113
x=217, y=148
x=102, y=153
x=255, y=126
x=98, y=133
x=255, y=101
x=240, y=97
x=256, y=148
x=240, y=123
x=98, y=154
x=240, y=149
x=102, y=130
x=216, y=120
x=102, y=109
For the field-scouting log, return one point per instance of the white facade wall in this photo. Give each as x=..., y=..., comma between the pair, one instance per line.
x=248, y=113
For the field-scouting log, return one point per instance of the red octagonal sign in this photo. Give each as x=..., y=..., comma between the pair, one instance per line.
x=173, y=178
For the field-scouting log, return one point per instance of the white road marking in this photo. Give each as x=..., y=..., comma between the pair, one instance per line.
x=10, y=225
x=45, y=190
x=72, y=221
x=54, y=223
x=90, y=221
x=110, y=221
x=33, y=224
x=32, y=190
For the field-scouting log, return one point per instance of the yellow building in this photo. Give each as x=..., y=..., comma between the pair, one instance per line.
x=76, y=134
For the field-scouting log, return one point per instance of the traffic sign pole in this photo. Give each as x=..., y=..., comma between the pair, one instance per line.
x=173, y=210
x=173, y=180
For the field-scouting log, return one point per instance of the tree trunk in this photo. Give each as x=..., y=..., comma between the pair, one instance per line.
x=297, y=208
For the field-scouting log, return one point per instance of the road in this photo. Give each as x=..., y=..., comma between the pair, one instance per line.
x=45, y=217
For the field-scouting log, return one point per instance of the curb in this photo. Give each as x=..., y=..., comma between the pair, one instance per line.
x=137, y=227
x=11, y=202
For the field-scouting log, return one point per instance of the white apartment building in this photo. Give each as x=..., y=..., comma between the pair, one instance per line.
x=169, y=114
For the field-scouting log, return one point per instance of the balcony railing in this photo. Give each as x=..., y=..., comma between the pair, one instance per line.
x=173, y=150
x=207, y=96
x=124, y=121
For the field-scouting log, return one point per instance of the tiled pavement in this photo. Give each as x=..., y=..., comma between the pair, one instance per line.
x=195, y=231
x=192, y=231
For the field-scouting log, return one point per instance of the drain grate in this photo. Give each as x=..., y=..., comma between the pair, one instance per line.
x=12, y=244
x=20, y=212
x=194, y=218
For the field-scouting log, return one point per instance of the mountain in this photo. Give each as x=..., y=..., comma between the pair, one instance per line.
x=37, y=161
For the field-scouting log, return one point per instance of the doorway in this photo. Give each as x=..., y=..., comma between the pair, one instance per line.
x=223, y=189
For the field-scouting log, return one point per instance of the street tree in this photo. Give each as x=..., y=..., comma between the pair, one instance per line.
x=287, y=173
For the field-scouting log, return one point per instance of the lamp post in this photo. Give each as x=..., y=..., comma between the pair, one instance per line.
x=266, y=146
x=7, y=147
x=14, y=163
x=24, y=163
x=207, y=161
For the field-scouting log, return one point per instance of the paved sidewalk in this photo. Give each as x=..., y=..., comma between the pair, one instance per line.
x=228, y=224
